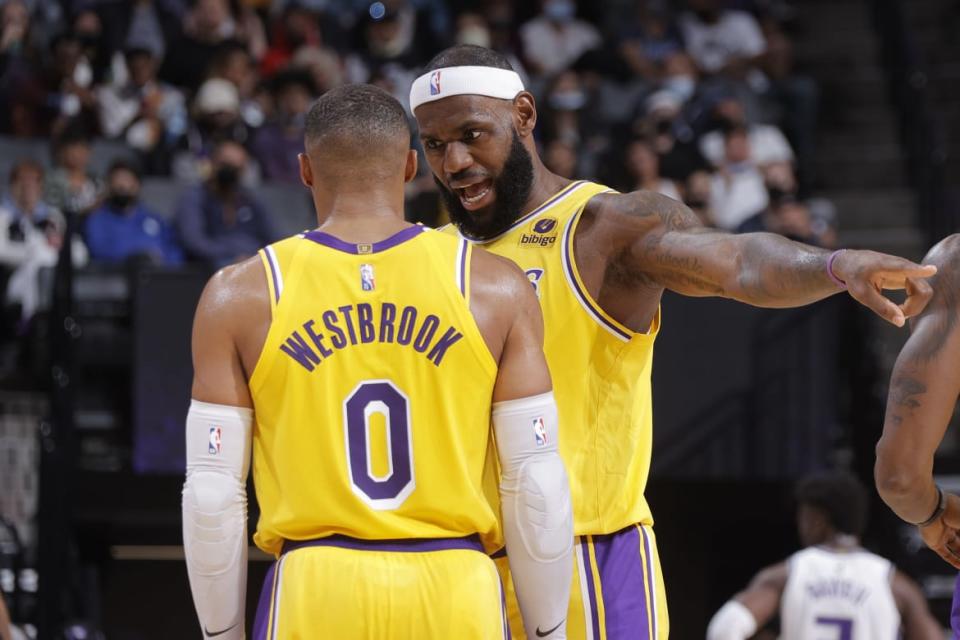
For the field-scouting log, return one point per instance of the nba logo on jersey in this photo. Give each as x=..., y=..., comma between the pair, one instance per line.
x=366, y=277
x=540, y=431
x=213, y=446
x=435, y=83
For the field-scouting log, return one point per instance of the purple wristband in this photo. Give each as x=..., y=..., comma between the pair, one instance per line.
x=833, y=256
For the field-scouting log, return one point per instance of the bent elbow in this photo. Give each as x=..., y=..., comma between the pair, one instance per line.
x=896, y=479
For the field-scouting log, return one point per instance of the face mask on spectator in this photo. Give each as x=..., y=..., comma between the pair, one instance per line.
x=560, y=10
x=681, y=86
x=475, y=35
x=120, y=200
x=227, y=177
x=568, y=100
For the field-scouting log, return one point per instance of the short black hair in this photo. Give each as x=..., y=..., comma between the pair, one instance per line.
x=840, y=496
x=469, y=55
x=355, y=121
x=125, y=164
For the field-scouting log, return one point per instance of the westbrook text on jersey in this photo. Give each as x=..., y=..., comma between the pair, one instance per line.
x=364, y=323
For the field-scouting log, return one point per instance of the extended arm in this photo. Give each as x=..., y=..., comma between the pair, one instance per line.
x=534, y=489
x=219, y=427
x=668, y=247
x=5, y=633
x=917, y=622
x=752, y=608
x=923, y=391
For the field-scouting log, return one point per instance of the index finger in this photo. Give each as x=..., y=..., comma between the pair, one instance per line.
x=906, y=269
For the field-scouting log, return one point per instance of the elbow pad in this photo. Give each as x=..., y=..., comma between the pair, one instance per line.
x=536, y=510
x=215, y=514
x=732, y=622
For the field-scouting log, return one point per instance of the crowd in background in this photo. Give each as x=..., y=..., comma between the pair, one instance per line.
x=697, y=99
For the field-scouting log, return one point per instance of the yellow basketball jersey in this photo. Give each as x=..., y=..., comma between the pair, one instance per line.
x=372, y=393
x=600, y=369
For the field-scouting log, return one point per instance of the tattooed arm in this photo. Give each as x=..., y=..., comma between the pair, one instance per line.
x=667, y=245
x=923, y=391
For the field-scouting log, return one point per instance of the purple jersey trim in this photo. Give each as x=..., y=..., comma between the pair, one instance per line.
x=273, y=274
x=412, y=545
x=585, y=299
x=327, y=240
x=462, y=275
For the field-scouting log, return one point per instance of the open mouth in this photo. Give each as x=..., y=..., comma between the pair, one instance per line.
x=475, y=196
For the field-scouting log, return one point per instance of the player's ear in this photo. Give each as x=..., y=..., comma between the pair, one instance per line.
x=411, y=169
x=524, y=113
x=306, y=173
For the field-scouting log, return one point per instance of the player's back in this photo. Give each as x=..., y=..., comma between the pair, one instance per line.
x=845, y=595
x=372, y=394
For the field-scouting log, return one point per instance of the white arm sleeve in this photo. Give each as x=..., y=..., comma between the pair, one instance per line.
x=537, y=517
x=732, y=622
x=215, y=515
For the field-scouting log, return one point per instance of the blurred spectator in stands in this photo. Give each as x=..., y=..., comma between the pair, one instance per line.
x=797, y=96
x=31, y=234
x=323, y=65
x=650, y=40
x=555, y=38
x=123, y=227
x=500, y=18
x=277, y=143
x=767, y=144
x=88, y=29
x=393, y=40
x=722, y=41
x=208, y=24
x=560, y=156
x=146, y=24
x=664, y=125
x=573, y=110
x=150, y=116
x=697, y=191
x=71, y=186
x=738, y=191
x=233, y=62
x=22, y=87
x=216, y=118
x=70, y=95
x=298, y=27
x=220, y=221
x=643, y=169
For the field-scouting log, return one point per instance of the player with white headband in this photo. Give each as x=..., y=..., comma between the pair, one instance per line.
x=600, y=262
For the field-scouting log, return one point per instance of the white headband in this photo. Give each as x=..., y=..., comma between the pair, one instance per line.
x=458, y=81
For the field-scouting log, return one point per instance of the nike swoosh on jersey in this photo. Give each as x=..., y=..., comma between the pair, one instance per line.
x=213, y=634
x=544, y=634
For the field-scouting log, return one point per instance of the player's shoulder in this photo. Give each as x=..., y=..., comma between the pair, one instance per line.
x=945, y=254
x=501, y=274
x=626, y=214
x=235, y=292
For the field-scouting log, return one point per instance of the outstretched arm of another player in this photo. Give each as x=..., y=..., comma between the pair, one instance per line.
x=923, y=392
x=916, y=621
x=752, y=608
x=5, y=633
x=534, y=489
x=218, y=452
x=669, y=247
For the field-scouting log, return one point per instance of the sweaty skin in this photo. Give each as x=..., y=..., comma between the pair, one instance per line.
x=923, y=393
x=630, y=247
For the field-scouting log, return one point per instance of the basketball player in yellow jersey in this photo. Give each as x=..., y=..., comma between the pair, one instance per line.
x=365, y=361
x=600, y=262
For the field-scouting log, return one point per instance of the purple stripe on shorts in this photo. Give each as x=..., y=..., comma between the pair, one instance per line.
x=327, y=240
x=594, y=613
x=955, y=610
x=262, y=619
x=414, y=545
x=625, y=606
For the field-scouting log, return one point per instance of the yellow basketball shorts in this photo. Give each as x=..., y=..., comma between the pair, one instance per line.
x=617, y=591
x=348, y=589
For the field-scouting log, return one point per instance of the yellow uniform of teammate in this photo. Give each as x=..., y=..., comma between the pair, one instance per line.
x=363, y=431
x=607, y=427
